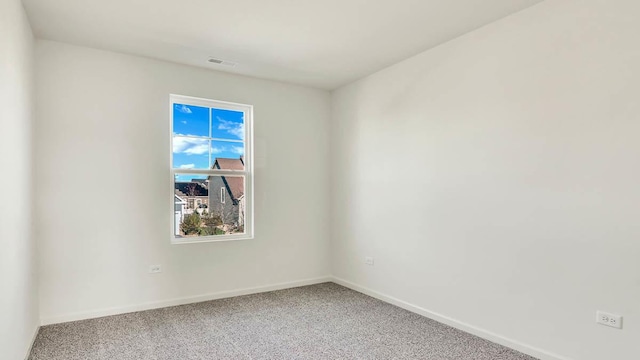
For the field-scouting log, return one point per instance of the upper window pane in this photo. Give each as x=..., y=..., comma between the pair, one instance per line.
x=189, y=120
x=227, y=151
x=190, y=153
x=227, y=124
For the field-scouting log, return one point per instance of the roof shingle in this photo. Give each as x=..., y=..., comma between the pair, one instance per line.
x=235, y=183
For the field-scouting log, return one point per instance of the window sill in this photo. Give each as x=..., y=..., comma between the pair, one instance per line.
x=209, y=239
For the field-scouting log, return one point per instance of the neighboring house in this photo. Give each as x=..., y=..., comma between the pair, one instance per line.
x=195, y=193
x=204, y=182
x=241, y=210
x=180, y=205
x=226, y=195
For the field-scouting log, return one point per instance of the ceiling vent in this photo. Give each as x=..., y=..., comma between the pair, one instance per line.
x=221, y=62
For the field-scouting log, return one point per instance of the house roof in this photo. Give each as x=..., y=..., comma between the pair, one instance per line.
x=229, y=164
x=188, y=189
x=203, y=182
x=235, y=183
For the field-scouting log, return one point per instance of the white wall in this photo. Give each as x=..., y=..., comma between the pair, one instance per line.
x=495, y=179
x=102, y=145
x=18, y=282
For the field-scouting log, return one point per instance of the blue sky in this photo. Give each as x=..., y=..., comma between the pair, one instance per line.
x=194, y=137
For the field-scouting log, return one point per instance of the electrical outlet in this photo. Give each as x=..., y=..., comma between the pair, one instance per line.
x=153, y=269
x=368, y=260
x=608, y=319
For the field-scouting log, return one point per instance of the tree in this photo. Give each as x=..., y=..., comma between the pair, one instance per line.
x=212, y=220
x=192, y=189
x=191, y=224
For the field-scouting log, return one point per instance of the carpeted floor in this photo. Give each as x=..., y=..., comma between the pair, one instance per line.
x=324, y=321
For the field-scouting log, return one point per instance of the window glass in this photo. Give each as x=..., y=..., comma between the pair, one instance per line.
x=208, y=141
x=227, y=124
x=189, y=120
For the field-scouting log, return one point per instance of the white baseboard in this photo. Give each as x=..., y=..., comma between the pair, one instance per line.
x=179, y=301
x=488, y=335
x=496, y=338
x=33, y=340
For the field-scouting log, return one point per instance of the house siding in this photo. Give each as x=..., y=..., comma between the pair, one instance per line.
x=230, y=209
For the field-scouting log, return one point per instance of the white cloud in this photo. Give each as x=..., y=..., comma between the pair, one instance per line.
x=190, y=146
x=217, y=150
x=184, y=122
x=183, y=109
x=233, y=128
x=197, y=150
x=238, y=150
x=187, y=166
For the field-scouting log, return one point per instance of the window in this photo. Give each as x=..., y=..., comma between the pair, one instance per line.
x=211, y=144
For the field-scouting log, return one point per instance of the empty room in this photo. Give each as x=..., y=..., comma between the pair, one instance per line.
x=337, y=179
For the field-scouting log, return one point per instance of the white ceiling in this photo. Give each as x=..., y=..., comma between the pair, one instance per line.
x=321, y=43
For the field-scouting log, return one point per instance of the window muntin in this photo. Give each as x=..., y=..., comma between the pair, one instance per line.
x=211, y=149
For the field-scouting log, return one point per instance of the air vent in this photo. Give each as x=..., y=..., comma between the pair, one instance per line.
x=221, y=62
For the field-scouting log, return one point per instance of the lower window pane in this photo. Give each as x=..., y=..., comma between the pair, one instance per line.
x=208, y=205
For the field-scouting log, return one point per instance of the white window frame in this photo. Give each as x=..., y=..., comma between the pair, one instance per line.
x=223, y=196
x=247, y=172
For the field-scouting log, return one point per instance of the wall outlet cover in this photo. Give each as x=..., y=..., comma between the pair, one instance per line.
x=608, y=319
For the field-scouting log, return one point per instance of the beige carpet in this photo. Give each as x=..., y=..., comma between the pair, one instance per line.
x=325, y=321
